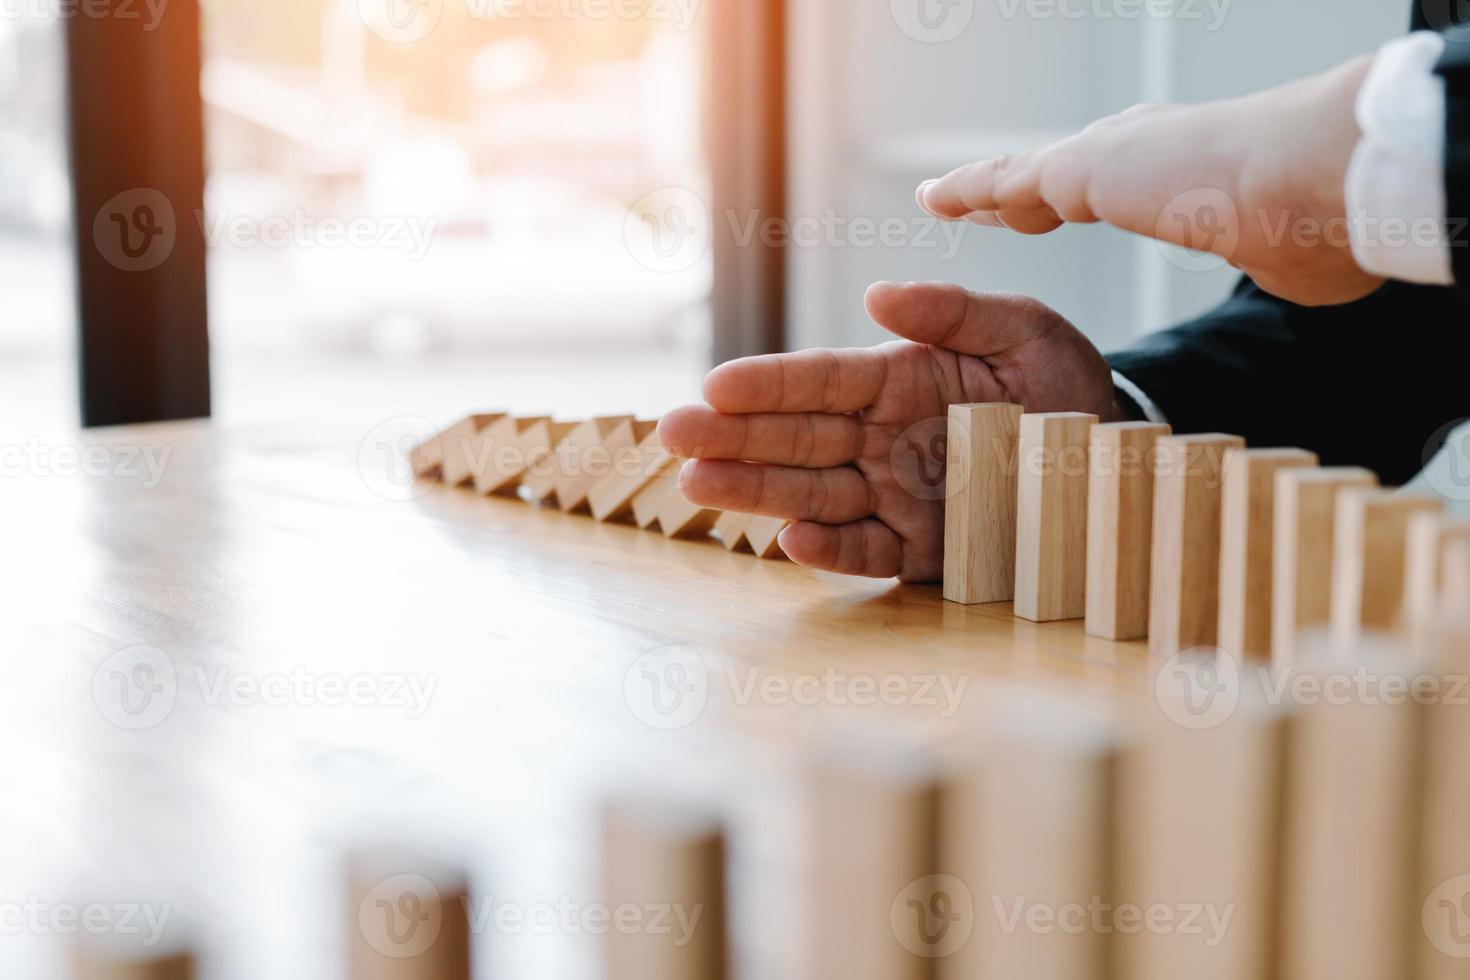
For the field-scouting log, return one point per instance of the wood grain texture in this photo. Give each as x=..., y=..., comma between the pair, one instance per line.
x=668, y=863
x=499, y=459
x=980, y=506
x=407, y=919
x=1051, y=516
x=1120, y=514
x=1370, y=542
x=1430, y=535
x=1184, y=591
x=1302, y=557
x=1247, y=544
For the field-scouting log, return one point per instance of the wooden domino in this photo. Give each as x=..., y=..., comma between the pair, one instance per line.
x=678, y=518
x=445, y=455
x=1430, y=535
x=1247, y=540
x=1444, y=847
x=1370, y=541
x=1302, y=556
x=730, y=529
x=408, y=919
x=1184, y=591
x=611, y=498
x=980, y=507
x=1455, y=594
x=647, y=502
x=499, y=462
x=761, y=533
x=1051, y=516
x=591, y=452
x=1120, y=513
x=656, y=857
x=539, y=446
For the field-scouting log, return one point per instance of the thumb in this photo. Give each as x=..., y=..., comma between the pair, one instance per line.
x=950, y=316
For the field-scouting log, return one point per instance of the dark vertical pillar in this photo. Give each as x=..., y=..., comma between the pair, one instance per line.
x=137, y=162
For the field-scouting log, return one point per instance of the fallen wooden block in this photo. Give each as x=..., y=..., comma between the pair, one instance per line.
x=1302, y=556
x=980, y=509
x=1370, y=540
x=678, y=518
x=1120, y=509
x=670, y=864
x=1247, y=543
x=1443, y=942
x=429, y=458
x=408, y=920
x=1051, y=516
x=761, y=534
x=590, y=453
x=647, y=502
x=731, y=531
x=611, y=498
x=499, y=459
x=1184, y=591
x=1430, y=535
x=539, y=446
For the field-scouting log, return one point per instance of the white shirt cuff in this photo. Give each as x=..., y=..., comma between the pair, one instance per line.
x=1395, y=181
x=1150, y=410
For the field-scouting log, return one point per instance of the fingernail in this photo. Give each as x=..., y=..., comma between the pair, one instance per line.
x=686, y=473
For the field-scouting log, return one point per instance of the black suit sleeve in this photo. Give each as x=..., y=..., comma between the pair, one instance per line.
x=1372, y=383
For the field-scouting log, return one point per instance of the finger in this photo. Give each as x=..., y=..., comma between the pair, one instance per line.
x=945, y=315
x=831, y=381
x=832, y=496
x=866, y=547
x=797, y=439
x=1003, y=190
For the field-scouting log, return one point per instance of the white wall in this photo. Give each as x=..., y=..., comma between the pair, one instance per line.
x=876, y=110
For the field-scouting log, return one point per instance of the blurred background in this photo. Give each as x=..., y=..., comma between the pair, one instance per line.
x=515, y=206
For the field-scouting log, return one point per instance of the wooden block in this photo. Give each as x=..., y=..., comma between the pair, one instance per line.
x=1430, y=534
x=539, y=445
x=761, y=534
x=430, y=457
x=1455, y=593
x=872, y=855
x=1029, y=830
x=1051, y=516
x=590, y=454
x=678, y=518
x=408, y=920
x=1184, y=591
x=1199, y=833
x=1247, y=542
x=1120, y=515
x=1370, y=539
x=648, y=500
x=1302, y=559
x=499, y=460
x=127, y=958
x=671, y=864
x=980, y=507
x=1349, y=860
x=731, y=530
x=611, y=498
x=1443, y=939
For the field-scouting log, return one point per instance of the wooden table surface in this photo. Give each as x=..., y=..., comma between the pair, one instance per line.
x=510, y=668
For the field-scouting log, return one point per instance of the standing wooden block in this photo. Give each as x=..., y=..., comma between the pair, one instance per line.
x=731, y=529
x=672, y=864
x=1184, y=594
x=1120, y=515
x=1198, y=825
x=590, y=453
x=408, y=920
x=611, y=498
x=1430, y=535
x=450, y=447
x=873, y=851
x=1444, y=874
x=1051, y=516
x=1370, y=539
x=1349, y=860
x=678, y=518
x=1455, y=594
x=1247, y=542
x=648, y=500
x=1029, y=830
x=115, y=958
x=980, y=509
x=539, y=447
x=1302, y=558
x=762, y=534
x=499, y=461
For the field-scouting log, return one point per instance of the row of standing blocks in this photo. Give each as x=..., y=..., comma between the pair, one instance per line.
x=1187, y=540
x=610, y=467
